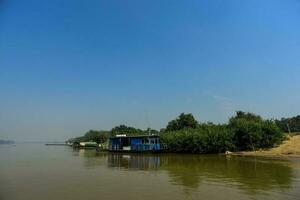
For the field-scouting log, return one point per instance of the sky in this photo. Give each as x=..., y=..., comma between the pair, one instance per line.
x=70, y=66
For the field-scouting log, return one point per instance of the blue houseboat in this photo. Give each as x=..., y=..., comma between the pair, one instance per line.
x=143, y=143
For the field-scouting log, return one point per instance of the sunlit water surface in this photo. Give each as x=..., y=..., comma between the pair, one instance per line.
x=32, y=172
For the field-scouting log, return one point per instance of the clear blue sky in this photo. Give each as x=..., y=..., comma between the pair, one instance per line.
x=69, y=66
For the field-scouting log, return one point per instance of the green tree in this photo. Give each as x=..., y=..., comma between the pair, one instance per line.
x=97, y=136
x=289, y=124
x=127, y=130
x=247, y=133
x=206, y=138
x=272, y=134
x=247, y=116
x=252, y=132
x=92, y=135
x=183, y=121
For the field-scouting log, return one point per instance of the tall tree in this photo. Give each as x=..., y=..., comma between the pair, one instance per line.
x=127, y=130
x=183, y=121
x=289, y=124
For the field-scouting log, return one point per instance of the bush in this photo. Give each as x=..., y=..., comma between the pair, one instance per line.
x=97, y=136
x=272, y=134
x=93, y=135
x=289, y=124
x=245, y=131
x=203, y=139
x=127, y=130
x=252, y=132
x=183, y=121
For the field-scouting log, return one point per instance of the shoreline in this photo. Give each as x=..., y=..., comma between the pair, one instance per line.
x=289, y=149
x=263, y=155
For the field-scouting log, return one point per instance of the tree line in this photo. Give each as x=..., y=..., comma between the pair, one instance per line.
x=6, y=142
x=289, y=124
x=244, y=131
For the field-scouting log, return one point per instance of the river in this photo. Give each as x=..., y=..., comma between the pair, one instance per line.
x=34, y=172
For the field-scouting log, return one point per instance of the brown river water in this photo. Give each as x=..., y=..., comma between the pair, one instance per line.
x=39, y=172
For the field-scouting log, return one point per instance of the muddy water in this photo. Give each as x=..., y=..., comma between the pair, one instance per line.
x=56, y=172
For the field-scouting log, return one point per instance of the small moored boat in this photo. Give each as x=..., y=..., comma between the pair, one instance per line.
x=85, y=145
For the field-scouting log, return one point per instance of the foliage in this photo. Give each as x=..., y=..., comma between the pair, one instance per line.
x=127, y=130
x=93, y=135
x=102, y=136
x=97, y=136
x=292, y=123
x=272, y=135
x=247, y=116
x=252, y=132
x=245, y=131
x=204, y=139
x=183, y=121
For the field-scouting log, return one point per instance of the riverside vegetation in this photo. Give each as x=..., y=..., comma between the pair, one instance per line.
x=243, y=132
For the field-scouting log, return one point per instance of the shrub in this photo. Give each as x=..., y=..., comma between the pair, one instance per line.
x=245, y=131
x=252, y=132
x=183, y=121
x=203, y=139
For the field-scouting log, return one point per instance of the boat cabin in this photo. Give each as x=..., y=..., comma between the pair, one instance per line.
x=134, y=143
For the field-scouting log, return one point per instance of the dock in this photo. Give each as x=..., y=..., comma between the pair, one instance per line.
x=56, y=144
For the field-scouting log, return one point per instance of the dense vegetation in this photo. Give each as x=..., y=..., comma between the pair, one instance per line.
x=182, y=122
x=244, y=131
x=206, y=138
x=92, y=135
x=102, y=136
x=289, y=124
x=131, y=131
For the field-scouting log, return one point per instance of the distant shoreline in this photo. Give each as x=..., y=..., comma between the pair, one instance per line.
x=7, y=142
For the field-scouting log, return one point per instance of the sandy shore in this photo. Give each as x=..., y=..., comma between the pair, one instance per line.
x=288, y=149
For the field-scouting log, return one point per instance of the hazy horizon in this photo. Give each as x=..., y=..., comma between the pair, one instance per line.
x=70, y=66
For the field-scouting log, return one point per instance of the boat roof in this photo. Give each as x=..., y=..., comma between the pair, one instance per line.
x=136, y=136
x=89, y=142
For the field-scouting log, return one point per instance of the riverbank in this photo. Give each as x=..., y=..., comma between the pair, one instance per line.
x=290, y=148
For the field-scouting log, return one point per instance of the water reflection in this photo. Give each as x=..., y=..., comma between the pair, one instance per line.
x=91, y=158
x=250, y=174
x=133, y=161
